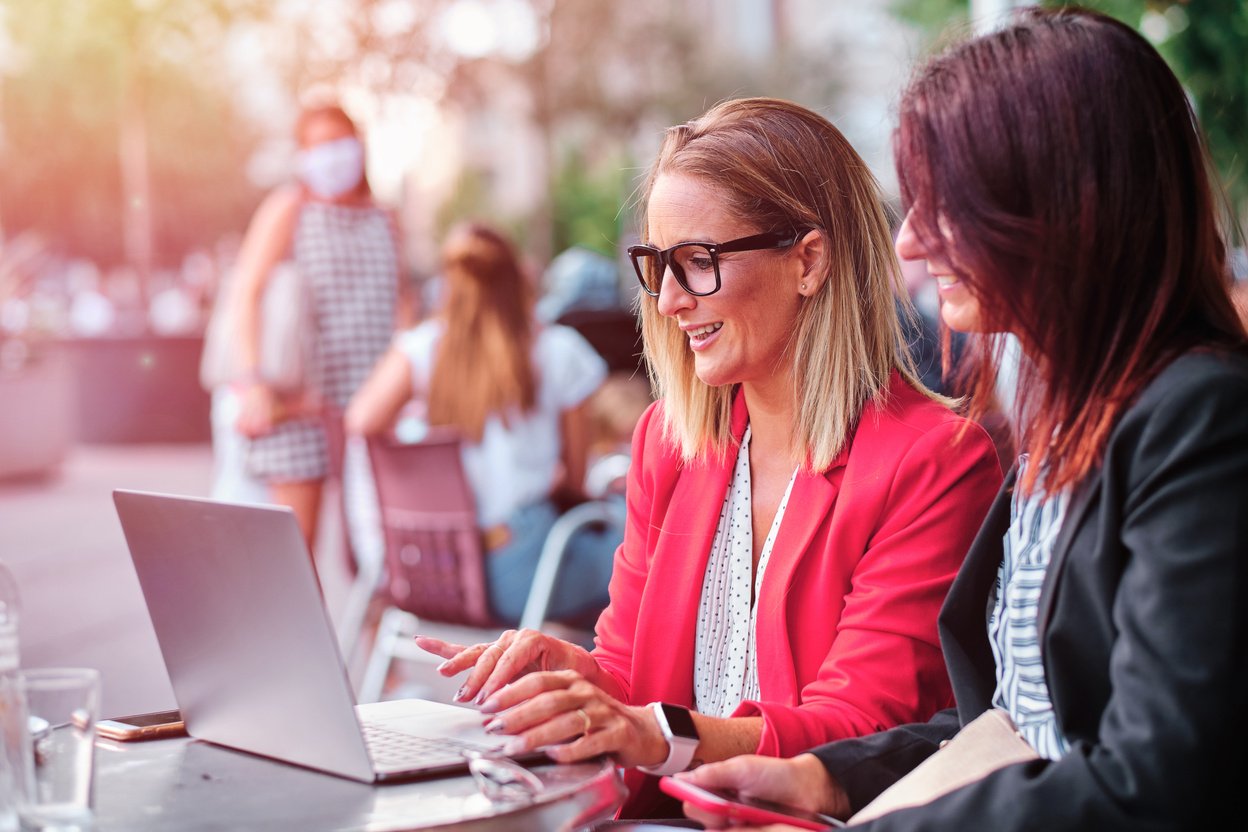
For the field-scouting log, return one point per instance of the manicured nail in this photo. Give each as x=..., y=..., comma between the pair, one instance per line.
x=489, y=706
x=459, y=694
x=444, y=665
x=495, y=726
x=515, y=746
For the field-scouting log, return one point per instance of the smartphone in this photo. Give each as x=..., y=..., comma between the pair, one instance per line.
x=142, y=726
x=749, y=810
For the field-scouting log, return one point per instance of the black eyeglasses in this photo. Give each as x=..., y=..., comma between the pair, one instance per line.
x=696, y=265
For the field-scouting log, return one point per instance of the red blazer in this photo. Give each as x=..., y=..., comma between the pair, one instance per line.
x=847, y=641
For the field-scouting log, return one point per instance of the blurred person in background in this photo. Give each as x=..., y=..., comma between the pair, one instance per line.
x=1102, y=606
x=515, y=390
x=578, y=279
x=345, y=250
x=798, y=503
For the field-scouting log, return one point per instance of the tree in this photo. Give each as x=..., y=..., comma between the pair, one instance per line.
x=1206, y=44
x=601, y=80
x=120, y=141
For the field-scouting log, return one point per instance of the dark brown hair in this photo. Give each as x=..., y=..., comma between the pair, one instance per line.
x=1058, y=168
x=484, y=361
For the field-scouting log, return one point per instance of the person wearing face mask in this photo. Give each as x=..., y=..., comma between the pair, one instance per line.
x=344, y=248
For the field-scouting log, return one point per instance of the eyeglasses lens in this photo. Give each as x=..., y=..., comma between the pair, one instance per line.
x=694, y=265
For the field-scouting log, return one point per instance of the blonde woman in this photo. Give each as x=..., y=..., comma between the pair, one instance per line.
x=515, y=390
x=798, y=504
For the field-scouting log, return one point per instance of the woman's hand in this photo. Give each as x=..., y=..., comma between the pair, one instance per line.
x=801, y=782
x=258, y=411
x=572, y=719
x=514, y=654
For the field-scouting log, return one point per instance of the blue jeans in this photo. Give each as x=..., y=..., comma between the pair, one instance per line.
x=580, y=592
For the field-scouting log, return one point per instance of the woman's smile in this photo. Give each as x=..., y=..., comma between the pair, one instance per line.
x=701, y=336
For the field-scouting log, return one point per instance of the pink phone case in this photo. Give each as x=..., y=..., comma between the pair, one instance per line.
x=747, y=813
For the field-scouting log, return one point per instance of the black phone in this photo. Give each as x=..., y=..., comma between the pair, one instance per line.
x=148, y=726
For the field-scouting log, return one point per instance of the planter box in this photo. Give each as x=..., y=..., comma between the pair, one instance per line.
x=133, y=390
x=36, y=415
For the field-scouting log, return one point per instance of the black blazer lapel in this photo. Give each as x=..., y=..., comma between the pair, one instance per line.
x=964, y=615
x=1080, y=503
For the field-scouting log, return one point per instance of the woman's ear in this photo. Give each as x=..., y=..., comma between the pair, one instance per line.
x=812, y=252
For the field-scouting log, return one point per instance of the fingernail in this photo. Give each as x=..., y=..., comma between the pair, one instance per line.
x=459, y=695
x=495, y=726
x=489, y=706
x=444, y=665
x=515, y=746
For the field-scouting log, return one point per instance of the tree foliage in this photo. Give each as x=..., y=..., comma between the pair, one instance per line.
x=602, y=81
x=79, y=70
x=1206, y=44
x=1204, y=41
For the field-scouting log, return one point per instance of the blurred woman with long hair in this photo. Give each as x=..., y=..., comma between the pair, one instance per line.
x=514, y=390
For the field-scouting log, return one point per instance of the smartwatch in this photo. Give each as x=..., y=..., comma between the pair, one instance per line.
x=682, y=738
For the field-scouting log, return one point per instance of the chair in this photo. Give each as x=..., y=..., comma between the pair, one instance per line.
x=433, y=568
x=605, y=478
x=434, y=559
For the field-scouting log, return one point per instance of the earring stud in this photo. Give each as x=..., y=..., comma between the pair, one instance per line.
x=803, y=287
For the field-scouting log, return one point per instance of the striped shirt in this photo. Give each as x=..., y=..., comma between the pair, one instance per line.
x=1035, y=522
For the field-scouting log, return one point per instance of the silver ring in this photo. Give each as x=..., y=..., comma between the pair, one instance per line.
x=584, y=720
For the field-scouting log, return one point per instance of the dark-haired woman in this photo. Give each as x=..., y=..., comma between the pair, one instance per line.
x=344, y=248
x=1102, y=604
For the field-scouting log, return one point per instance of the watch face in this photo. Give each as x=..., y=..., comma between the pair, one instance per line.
x=679, y=720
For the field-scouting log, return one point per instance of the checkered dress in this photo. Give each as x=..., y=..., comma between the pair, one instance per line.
x=347, y=255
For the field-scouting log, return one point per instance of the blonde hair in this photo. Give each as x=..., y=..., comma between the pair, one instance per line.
x=781, y=166
x=483, y=363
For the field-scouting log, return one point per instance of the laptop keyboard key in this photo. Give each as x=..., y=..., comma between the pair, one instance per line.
x=394, y=749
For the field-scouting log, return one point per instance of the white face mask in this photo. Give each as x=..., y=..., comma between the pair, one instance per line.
x=332, y=169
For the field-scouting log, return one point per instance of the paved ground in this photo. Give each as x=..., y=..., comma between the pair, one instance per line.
x=81, y=599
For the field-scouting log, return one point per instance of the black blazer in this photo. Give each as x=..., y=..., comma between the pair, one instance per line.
x=1142, y=633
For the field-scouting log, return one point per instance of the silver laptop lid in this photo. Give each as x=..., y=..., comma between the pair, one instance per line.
x=244, y=632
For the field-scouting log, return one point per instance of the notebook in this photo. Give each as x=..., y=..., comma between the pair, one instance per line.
x=985, y=744
x=252, y=656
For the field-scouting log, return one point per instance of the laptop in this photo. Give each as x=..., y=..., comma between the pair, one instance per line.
x=252, y=656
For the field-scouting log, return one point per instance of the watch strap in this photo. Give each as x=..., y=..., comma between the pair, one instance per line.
x=680, y=749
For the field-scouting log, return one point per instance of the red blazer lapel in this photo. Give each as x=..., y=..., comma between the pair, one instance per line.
x=810, y=503
x=663, y=665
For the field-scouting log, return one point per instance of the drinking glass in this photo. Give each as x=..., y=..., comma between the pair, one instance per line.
x=54, y=780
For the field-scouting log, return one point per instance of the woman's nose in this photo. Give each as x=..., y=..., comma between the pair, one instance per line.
x=672, y=296
x=908, y=245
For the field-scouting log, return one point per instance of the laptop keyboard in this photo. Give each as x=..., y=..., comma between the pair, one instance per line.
x=392, y=749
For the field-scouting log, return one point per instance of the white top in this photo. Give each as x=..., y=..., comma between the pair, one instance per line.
x=516, y=462
x=725, y=662
x=1022, y=691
